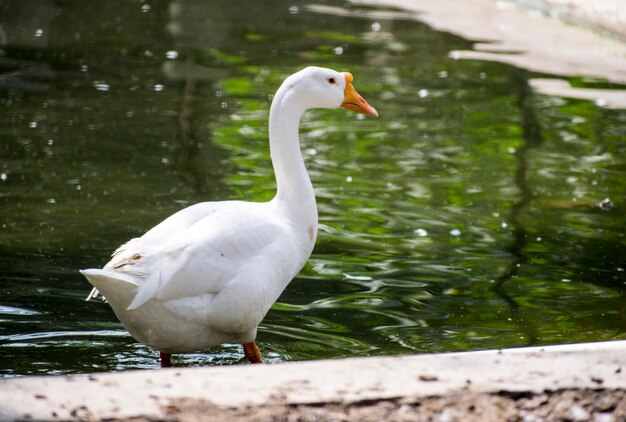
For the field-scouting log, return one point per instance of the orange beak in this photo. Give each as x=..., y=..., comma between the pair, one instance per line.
x=353, y=101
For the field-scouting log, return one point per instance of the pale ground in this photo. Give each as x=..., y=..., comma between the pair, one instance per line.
x=574, y=382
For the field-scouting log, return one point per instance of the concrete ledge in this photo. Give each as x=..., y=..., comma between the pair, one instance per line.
x=467, y=386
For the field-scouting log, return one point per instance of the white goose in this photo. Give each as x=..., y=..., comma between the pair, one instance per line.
x=209, y=273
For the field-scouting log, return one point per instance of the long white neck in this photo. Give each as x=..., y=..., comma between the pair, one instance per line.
x=294, y=187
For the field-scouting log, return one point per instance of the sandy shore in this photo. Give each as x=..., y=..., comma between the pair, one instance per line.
x=572, y=382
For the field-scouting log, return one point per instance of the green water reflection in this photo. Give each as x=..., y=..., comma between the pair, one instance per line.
x=463, y=218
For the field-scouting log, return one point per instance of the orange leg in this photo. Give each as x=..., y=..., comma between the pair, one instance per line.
x=251, y=350
x=166, y=360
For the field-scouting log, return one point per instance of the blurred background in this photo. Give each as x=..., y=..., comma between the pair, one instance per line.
x=474, y=213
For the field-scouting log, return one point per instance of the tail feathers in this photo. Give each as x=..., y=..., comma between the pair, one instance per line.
x=117, y=288
x=92, y=295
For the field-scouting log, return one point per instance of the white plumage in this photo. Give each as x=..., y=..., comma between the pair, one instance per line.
x=209, y=273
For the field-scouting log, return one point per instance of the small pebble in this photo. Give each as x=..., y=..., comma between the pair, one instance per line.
x=578, y=413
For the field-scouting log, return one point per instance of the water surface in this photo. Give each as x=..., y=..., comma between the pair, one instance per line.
x=468, y=216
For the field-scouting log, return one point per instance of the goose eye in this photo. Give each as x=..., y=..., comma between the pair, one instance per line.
x=331, y=80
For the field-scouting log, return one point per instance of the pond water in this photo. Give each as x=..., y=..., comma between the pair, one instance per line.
x=468, y=216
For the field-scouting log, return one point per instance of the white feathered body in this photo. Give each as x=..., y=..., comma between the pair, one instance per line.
x=207, y=274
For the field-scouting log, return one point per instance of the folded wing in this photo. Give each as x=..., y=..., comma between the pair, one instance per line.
x=195, y=253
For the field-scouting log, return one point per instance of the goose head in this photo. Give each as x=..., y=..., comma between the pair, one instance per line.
x=318, y=87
